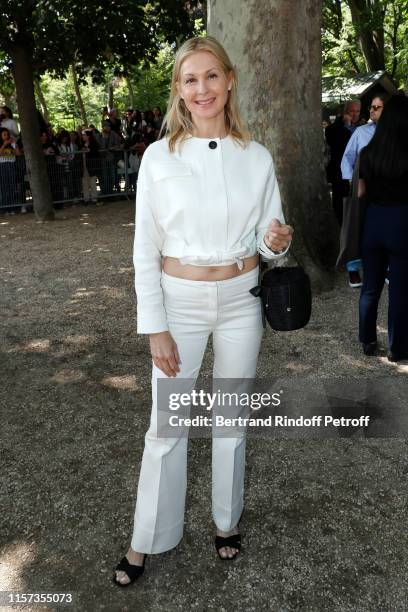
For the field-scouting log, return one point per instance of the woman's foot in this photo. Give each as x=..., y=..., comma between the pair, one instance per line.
x=228, y=552
x=134, y=558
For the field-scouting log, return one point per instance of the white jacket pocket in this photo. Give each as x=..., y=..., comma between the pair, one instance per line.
x=169, y=170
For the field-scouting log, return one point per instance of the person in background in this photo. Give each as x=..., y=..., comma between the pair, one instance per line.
x=76, y=165
x=52, y=136
x=75, y=140
x=384, y=183
x=8, y=173
x=133, y=169
x=50, y=150
x=359, y=139
x=111, y=145
x=150, y=134
x=7, y=121
x=91, y=166
x=104, y=114
x=47, y=145
x=115, y=122
x=337, y=136
x=127, y=123
x=157, y=118
x=138, y=122
x=65, y=160
x=97, y=135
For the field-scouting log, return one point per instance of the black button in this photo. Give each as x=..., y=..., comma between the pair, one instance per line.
x=213, y=144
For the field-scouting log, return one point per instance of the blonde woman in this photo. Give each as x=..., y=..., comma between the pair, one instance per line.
x=207, y=205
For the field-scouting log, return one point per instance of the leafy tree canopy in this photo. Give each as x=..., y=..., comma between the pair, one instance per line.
x=91, y=34
x=365, y=35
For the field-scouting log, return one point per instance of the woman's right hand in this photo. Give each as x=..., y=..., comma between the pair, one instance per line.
x=165, y=353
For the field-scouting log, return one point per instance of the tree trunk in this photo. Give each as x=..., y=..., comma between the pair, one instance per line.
x=41, y=99
x=78, y=95
x=131, y=93
x=368, y=21
x=30, y=130
x=278, y=57
x=110, y=97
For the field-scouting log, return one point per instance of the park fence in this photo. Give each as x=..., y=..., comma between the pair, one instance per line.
x=73, y=177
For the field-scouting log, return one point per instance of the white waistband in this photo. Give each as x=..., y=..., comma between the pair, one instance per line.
x=189, y=254
x=240, y=278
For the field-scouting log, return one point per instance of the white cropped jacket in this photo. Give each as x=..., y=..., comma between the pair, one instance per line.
x=209, y=203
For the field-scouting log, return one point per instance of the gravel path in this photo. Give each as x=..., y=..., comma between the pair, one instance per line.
x=325, y=523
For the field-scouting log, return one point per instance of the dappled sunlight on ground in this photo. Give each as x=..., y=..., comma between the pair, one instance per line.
x=124, y=270
x=14, y=558
x=32, y=346
x=67, y=376
x=121, y=382
x=104, y=291
x=401, y=367
x=84, y=293
x=364, y=363
x=113, y=292
x=79, y=340
x=298, y=367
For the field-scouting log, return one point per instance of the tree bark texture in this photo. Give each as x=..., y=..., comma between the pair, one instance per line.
x=276, y=51
x=77, y=90
x=41, y=99
x=131, y=93
x=368, y=21
x=30, y=130
x=110, y=96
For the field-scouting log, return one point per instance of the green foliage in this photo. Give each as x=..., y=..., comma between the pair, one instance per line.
x=93, y=35
x=342, y=54
x=150, y=83
x=149, y=80
x=62, y=104
x=101, y=39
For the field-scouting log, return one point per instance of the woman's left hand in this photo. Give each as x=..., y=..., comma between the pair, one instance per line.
x=278, y=236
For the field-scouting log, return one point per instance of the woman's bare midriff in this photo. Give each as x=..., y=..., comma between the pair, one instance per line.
x=173, y=267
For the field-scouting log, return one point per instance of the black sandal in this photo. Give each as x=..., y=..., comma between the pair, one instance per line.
x=132, y=571
x=234, y=541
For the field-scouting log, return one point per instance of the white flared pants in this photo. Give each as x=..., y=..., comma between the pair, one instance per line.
x=195, y=309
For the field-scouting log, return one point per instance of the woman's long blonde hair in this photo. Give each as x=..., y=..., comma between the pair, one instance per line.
x=177, y=123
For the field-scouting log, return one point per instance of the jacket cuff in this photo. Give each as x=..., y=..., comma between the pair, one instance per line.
x=268, y=254
x=151, y=322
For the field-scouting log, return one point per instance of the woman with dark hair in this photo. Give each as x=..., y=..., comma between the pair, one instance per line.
x=384, y=182
x=138, y=122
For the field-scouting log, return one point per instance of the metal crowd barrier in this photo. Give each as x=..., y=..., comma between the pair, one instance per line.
x=73, y=177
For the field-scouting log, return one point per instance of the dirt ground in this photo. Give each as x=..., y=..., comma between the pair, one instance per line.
x=325, y=522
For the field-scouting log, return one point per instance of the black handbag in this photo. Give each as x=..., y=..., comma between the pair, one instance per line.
x=286, y=296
